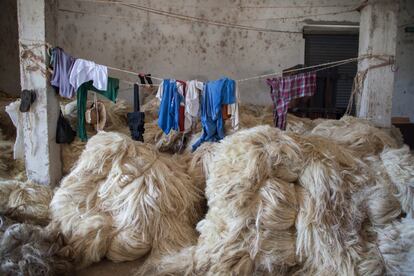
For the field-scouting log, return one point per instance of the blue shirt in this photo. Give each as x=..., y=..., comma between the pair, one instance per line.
x=215, y=94
x=168, y=114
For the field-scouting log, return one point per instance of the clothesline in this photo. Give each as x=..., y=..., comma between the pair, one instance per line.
x=323, y=66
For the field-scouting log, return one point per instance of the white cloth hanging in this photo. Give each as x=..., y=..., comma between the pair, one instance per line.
x=233, y=110
x=85, y=70
x=192, y=102
x=16, y=116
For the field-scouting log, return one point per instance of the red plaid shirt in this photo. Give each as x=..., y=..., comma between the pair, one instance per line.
x=285, y=89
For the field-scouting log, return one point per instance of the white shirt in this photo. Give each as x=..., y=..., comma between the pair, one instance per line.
x=85, y=70
x=16, y=116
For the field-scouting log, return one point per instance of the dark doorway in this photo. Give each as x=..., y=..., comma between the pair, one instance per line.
x=334, y=85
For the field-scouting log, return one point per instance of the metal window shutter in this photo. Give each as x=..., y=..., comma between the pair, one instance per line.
x=326, y=48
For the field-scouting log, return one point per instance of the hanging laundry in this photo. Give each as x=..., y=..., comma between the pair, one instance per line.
x=181, y=117
x=143, y=77
x=215, y=95
x=192, y=103
x=62, y=64
x=85, y=70
x=169, y=113
x=82, y=94
x=96, y=115
x=136, y=119
x=233, y=110
x=13, y=110
x=283, y=90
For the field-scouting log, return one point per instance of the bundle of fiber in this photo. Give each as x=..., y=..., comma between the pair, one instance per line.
x=26, y=249
x=124, y=200
x=399, y=164
x=331, y=175
x=6, y=157
x=25, y=201
x=358, y=134
x=298, y=124
x=396, y=244
x=249, y=225
x=283, y=203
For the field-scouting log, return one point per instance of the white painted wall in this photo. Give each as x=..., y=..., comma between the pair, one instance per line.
x=128, y=38
x=403, y=98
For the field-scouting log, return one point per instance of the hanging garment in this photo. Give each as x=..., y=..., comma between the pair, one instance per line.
x=96, y=115
x=62, y=64
x=283, y=90
x=233, y=110
x=168, y=115
x=28, y=97
x=64, y=132
x=16, y=116
x=192, y=103
x=136, y=119
x=215, y=94
x=181, y=119
x=85, y=70
x=82, y=94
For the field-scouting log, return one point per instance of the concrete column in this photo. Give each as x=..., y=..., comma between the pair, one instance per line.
x=378, y=32
x=37, y=25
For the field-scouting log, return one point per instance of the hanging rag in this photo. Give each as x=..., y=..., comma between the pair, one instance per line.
x=82, y=94
x=285, y=89
x=17, y=118
x=96, y=115
x=62, y=64
x=64, y=132
x=168, y=114
x=136, y=119
x=181, y=119
x=142, y=77
x=215, y=95
x=192, y=103
x=85, y=70
x=28, y=97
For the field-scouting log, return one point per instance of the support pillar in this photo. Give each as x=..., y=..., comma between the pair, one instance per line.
x=37, y=25
x=378, y=36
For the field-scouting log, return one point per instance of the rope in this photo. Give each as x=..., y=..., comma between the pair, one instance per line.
x=334, y=63
x=359, y=81
x=187, y=17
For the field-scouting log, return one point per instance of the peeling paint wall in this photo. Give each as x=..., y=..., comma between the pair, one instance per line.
x=125, y=37
x=9, y=50
x=403, y=98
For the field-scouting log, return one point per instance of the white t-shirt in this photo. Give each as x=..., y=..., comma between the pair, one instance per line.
x=85, y=70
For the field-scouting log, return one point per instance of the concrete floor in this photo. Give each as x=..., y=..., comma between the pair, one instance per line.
x=108, y=268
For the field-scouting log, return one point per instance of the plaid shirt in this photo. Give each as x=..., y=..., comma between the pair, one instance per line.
x=283, y=90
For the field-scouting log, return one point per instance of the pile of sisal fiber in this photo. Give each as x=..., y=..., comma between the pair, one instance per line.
x=284, y=203
x=124, y=200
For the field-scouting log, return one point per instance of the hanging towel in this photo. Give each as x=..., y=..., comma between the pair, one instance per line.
x=85, y=70
x=168, y=114
x=82, y=95
x=16, y=116
x=62, y=64
x=215, y=94
x=283, y=90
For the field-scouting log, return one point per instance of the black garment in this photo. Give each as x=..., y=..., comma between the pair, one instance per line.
x=27, y=99
x=136, y=119
x=146, y=77
x=64, y=132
